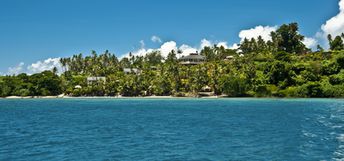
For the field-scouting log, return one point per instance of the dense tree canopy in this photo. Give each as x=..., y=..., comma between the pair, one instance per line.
x=288, y=39
x=337, y=43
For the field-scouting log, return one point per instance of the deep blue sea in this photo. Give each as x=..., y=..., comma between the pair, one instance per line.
x=172, y=129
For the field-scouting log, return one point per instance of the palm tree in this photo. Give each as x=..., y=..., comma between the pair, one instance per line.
x=179, y=52
x=63, y=62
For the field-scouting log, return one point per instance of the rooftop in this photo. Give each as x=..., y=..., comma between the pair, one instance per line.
x=192, y=59
x=95, y=78
x=194, y=56
x=131, y=70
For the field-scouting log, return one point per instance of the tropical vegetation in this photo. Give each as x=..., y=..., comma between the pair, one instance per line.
x=281, y=67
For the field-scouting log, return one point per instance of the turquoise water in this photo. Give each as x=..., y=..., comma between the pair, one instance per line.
x=187, y=129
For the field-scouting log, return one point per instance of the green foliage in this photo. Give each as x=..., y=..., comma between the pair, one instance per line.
x=234, y=85
x=337, y=79
x=216, y=53
x=312, y=89
x=329, y=68
x=5, y=90
x=288, y=39
x=337, y=43
x=340, y=60
x=42, y=84
x=256, y=46
x=279, y=73
x=283, y=56
x=153, y=58
x=161, y=87
x=265, y=90
x=336, y=91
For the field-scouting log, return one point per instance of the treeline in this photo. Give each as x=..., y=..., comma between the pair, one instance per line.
x=282, y=67
x=47, y=83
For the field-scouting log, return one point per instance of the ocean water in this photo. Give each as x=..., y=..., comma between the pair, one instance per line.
x=172, y=129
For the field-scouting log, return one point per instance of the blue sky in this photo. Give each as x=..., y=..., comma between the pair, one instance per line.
x=36, y=30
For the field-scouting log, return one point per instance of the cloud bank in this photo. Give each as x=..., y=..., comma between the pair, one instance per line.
x=257, y=31
x=186, y=49
x=16, y=70
x=47, y=64
x=265, y=33
x=37, y=67
x=333, y=26
x=310, y=42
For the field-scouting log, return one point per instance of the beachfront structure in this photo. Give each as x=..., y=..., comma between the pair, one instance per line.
x=192, y=59
x=131, y=71
x=91, y=80
x=229, y=58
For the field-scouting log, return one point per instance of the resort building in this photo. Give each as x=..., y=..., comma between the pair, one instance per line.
x=91, y=80
x=131, y=71
x=229, y=58
x=192, y=59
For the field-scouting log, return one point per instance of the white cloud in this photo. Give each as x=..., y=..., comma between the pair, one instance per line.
x=142, y=43
x=310, y=42
x=208, y=43
x=156, y=39
x=263, y=31
x=37, y=67
x=333, y=26
x=234, y=46
x=186, y=49
x=47, y=64
x=139, y=52
x=16, y=70
x=205, y=43
x=223, y=44
x=167, y=47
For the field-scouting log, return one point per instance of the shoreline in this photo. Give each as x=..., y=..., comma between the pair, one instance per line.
x=106, y=97
x=147, y=97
